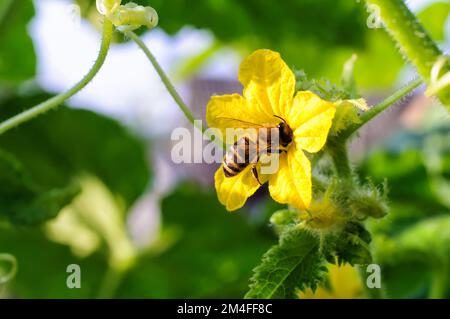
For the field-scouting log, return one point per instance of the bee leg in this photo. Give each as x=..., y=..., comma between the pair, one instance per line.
x=255, y=174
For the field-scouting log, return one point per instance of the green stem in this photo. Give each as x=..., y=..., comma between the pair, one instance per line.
x=60, y=98
x=411, y=37
x=12, y=272
x=169, y=86
x=339, y=154
x=110, y=282
x=380, y=107
x=164, y=78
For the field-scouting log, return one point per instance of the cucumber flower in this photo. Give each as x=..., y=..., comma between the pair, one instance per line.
x=268, y=97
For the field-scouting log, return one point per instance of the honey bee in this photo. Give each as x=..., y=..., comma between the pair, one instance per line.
x=247, y=150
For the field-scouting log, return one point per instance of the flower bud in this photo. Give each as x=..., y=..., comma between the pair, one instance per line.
x=284, y=217
x=369, y=201
x=368, y=205
x=132, y=16
x=324, y=215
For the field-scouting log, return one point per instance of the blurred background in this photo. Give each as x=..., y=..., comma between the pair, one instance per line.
x=93, y=183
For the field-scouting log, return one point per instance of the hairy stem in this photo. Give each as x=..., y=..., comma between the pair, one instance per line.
x=380, y=107
x=164, y=78
x=339, y=154
x=61, y=98
x=412, y=39
x=170, y=87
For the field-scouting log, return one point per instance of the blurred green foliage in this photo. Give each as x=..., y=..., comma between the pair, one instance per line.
x=210, y=255
x=293, y=28
x=22, y=201
x=434, y=18
x=231, y=20
x=307, y=33
x=48, y=154
x=42, y=266
x=17, y=57
x=412, y=243
x=202, y=252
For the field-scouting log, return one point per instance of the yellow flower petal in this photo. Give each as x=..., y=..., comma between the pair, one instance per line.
x=292, y=184
x=269, y=84
x=231, y=111
x=345, y=283
x=234, y=191
x=311, y=119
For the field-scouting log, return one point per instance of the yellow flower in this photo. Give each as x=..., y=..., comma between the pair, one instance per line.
x=344, y=283
x=269, y=91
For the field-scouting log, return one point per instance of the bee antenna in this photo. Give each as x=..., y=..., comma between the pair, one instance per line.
x=280, y=118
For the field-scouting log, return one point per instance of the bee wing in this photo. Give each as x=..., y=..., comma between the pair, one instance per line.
x=251, y=135
x=237, y=123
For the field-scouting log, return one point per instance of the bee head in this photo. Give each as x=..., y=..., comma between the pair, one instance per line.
x=285, y=133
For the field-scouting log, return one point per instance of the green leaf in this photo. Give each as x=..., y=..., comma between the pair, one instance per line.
x=349, y=245
x=17, y=57
x=322, y=87
x=54, y=150
x=294, y=264
x=24, y=202
x=204, y=251
x=284, y=219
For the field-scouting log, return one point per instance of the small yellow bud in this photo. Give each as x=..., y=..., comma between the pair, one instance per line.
x=106, y=7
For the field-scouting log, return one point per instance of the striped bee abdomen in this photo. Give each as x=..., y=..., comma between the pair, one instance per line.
x=239, y=156
x=231, y=169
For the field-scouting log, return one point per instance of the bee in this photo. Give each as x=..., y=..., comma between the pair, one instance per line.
x=247, y=150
